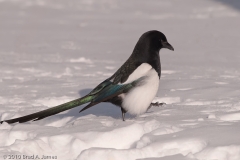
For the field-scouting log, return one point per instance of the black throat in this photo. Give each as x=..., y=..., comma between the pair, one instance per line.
x=146, y=54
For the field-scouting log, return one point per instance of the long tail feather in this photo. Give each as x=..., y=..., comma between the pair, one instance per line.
x=106, y=91
x=51, y=111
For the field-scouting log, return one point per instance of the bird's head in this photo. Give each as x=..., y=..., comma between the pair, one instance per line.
x=155, y=40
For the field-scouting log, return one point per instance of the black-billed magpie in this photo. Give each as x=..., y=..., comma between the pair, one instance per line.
x=132, y=87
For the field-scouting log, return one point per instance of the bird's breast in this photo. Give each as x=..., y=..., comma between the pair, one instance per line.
x=137, y=100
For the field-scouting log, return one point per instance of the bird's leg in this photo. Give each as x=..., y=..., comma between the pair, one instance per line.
x=123, y=113
x=156, y=104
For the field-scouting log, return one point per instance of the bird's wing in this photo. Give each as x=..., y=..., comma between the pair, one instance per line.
x=125, y=71
x=111, y=90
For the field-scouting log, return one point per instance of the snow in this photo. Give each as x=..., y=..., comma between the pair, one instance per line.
x=81, y=59
x=54, y=51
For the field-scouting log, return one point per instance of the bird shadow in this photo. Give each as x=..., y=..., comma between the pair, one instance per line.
x=232, y=3
x=101, y=109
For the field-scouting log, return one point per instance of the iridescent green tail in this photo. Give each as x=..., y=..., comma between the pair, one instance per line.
x=51, y=111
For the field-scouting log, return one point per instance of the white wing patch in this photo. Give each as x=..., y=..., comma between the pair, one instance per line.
x=141, y=71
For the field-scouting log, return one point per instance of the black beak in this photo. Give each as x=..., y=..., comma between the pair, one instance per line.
x=167, y=45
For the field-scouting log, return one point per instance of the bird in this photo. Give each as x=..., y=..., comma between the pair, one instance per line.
x=132, y=87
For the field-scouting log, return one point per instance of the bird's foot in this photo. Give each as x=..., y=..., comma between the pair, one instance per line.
x=156, y=104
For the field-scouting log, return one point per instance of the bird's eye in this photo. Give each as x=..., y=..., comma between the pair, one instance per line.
x=163, y=41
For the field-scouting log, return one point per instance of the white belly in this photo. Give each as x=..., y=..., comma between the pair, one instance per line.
x=138, y=99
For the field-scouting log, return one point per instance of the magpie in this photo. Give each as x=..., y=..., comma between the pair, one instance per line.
x=132, y=87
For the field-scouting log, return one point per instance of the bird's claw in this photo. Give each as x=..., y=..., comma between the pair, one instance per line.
x=157, y=104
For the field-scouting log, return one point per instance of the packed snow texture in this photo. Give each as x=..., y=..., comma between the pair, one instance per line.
x=54, y=51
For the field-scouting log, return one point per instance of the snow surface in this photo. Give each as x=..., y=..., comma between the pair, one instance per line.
x=53, y=51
